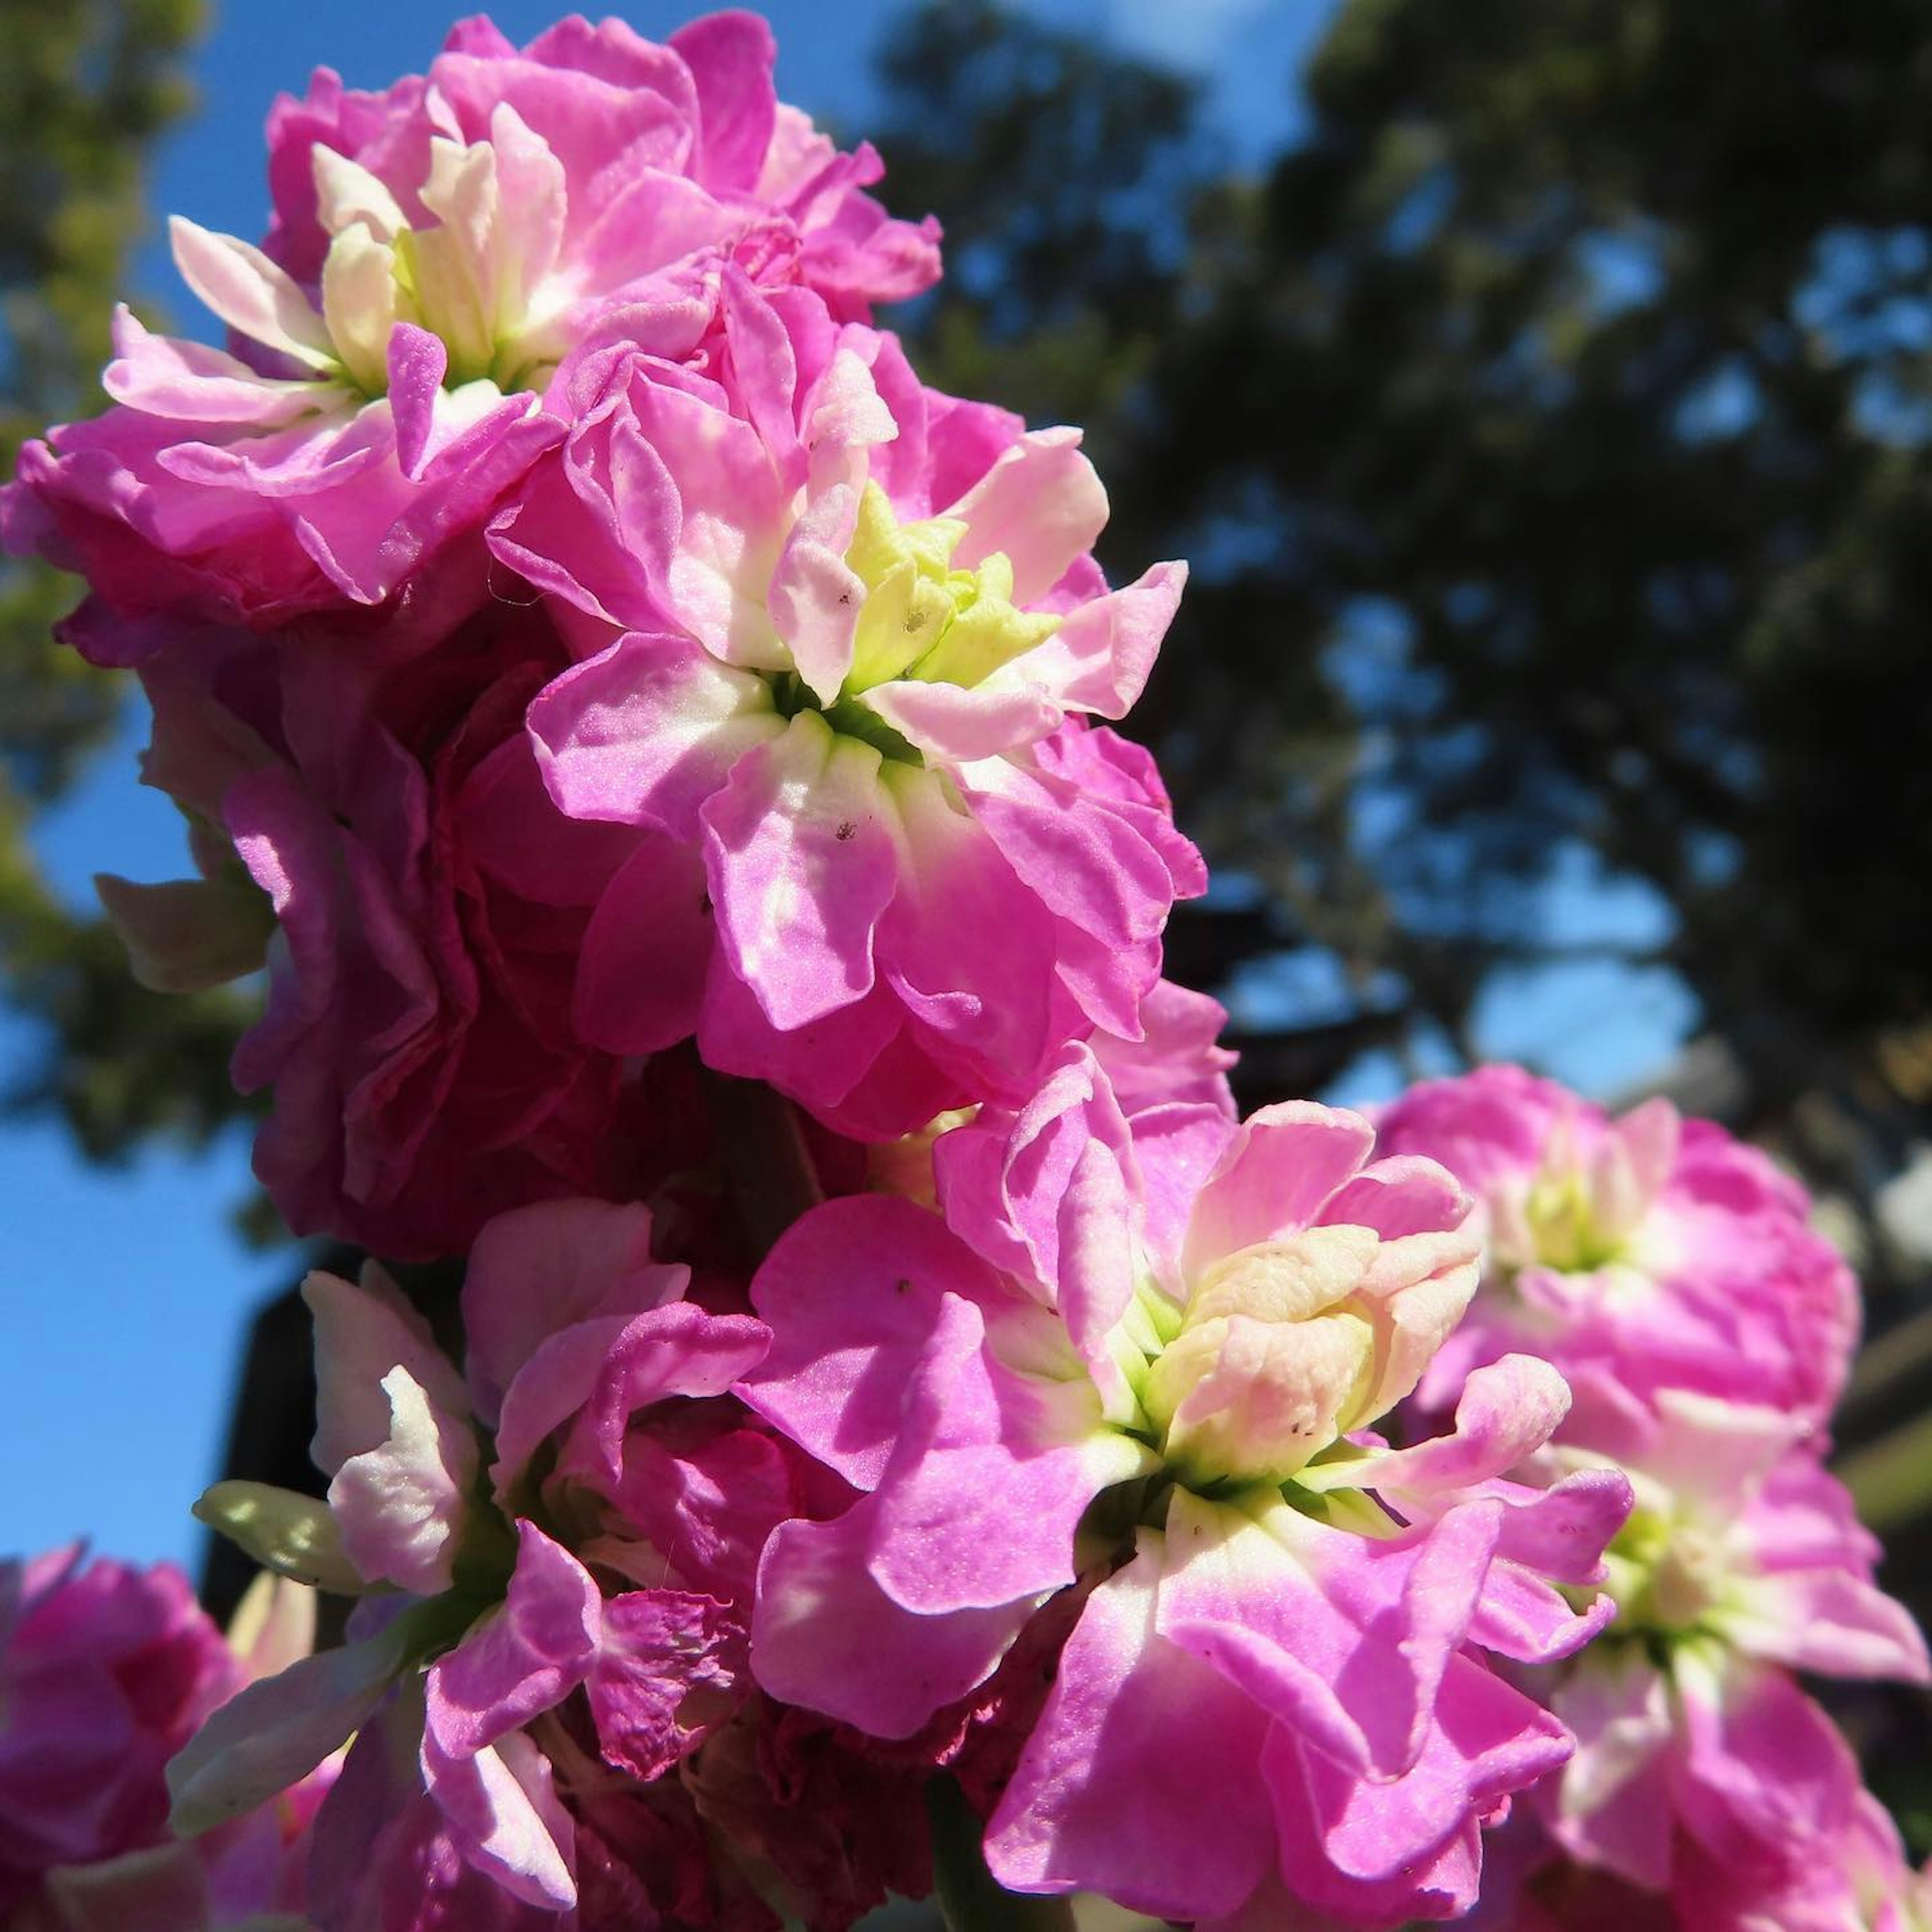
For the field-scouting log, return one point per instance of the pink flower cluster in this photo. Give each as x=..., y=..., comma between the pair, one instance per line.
x=659, y=752
x=1705, y=1330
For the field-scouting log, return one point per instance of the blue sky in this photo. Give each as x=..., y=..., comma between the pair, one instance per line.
x=126, y=1293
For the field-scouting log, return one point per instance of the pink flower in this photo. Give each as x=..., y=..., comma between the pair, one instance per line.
x=1276, y=1690
x=1702, y=1770
x=105, y=1671
x=573, y=1522
x=386, y=831
x=436, y=249
x=1661, y=1249
x=844, y=639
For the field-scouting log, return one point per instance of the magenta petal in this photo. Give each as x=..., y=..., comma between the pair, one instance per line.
x=537, y=1270
x=1275, y=1177
x=647, y=952
x=417, y=361
x=645, y=732
x=677, y=1350
x=663, y=1651
x=802, y=856
x=547, y=1392
x=731, y=56
x=521, y=1659
x=964, y=945
x=825, y=1635
x=1141, y=1779
x=989, y=1478
x=709, y=1505
x=851, y=1293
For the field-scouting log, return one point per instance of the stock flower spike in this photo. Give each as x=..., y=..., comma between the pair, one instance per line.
x=906, y=1429
x=1274, y=1690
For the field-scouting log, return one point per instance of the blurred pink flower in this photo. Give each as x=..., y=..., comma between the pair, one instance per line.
x=1663, y=1250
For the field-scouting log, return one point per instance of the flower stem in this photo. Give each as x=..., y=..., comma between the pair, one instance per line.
x=770, y=1179
x=970, y=1898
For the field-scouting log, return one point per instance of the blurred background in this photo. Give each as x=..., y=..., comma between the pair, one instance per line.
x=1544, y=397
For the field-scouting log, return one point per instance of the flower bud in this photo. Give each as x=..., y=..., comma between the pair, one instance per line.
x=1291, y=1344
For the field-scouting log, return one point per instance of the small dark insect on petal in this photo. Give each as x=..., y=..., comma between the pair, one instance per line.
x=845, y=831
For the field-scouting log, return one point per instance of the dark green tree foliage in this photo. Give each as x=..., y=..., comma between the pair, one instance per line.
x=1550, y=426
x=86, y=85
x=1583, y=346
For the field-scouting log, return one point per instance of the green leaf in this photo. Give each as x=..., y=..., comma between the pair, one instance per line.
x=293, y=1535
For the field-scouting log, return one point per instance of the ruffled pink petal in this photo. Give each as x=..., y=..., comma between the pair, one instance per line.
x=540, y=1269
x=1142, y=1780
x=1002, y=1178
x=802, y=856
x=1340, y=1637
x=1410, y=1847
x=964, y=946
x=676, y=1350
x=815, y=595
x=1040, y=504
x=990, y=1477
x=189, y=383
x=1765, y=1773
x=1826, y=1621
x=521, y=1659
x=644, y=733
x=647, y=952
x=730, y=57
x=361, y=1332
x=951, y=724
x=851, y=1293
x=1615, y=1806
x=1275, y=1178
x=1400, y=1195
x=500, y=1808
x=1099, y=658
x=826, y=1636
